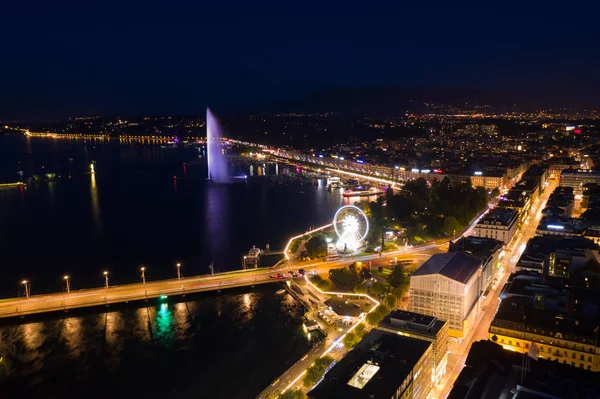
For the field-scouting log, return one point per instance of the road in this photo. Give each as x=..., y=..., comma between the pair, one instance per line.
x=459, y=351
x=13, y=307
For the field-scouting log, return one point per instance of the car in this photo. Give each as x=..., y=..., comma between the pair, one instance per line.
x=291, y=273
x=301, y=272
x=279, y=275
x=271, y=276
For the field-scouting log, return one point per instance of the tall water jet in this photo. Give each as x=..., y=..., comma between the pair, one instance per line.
x=217, y=166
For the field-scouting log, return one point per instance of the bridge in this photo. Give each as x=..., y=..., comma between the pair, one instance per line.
x=126, y=293
x=76, y=299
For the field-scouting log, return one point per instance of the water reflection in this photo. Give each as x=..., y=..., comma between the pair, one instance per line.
x=32, y=335
x=217, y=220
x=164, y=324
x=192, y=342
x=73, y=335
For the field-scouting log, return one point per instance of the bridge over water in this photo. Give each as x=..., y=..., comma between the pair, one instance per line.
x=118, y=294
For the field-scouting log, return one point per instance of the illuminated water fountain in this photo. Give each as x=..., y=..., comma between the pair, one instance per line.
x=217, y=166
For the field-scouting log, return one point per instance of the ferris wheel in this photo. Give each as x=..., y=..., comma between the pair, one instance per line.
x=351, y=225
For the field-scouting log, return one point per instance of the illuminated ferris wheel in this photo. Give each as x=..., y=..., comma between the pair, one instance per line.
x=351, y=225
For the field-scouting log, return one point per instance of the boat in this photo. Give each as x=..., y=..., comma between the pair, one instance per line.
x=252, y=257
x=362, y=193
x=333, y=180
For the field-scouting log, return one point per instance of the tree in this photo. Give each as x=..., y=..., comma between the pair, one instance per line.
x=360, y=288
x=401, y=291
x=398, y=276
x=350, y=340
x=377, y=288
x=377, y=315
x=292, y=394
x=344, y=277
x=360, y=330
x=450, y=226
x=390, y=301
x=316, y=246
x=495, y=192
x=320, y=282
x=316, y=371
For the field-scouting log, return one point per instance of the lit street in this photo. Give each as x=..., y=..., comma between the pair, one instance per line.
x=459, y=351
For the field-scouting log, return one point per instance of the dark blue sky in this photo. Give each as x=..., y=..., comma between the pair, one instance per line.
x=163, y=57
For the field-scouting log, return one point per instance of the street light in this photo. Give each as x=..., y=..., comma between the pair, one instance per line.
x=178, y=271
x=244, y=263
x=106, y=278
x=66, y=278
x=143, y=275
x=27, y=288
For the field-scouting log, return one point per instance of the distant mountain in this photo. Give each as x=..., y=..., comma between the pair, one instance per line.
x=395, y=101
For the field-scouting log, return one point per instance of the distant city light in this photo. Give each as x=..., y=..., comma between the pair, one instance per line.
x=478, y=173
x=360, y=161
x=555, y=227
x=320, y=156
x=425, y=170
x=415, y=170
x=341, y=158
x=397, y=167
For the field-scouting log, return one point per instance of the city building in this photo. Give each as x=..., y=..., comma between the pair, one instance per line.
x=561, y=202
x=537, y=253
x=427, y=328
x=492, y=372
x=538, y=173
x=488, y=250
x=578, y=178
x=448, y=286
x=517, y=200
x=523, y=325
x=382, y=365
x=561, y=226
x=499, y=223
x=529, y=186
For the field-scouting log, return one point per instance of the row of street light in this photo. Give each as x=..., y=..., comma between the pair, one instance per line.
x=67, y=279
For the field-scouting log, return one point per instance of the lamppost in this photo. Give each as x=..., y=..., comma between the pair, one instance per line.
x=244, y=263
x=143, y=275
x=106, y=278
x=178, y=271
x=27, y=288
x=66, y=278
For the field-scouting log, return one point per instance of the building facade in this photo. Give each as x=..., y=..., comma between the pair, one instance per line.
x=427, y=328
x=578, y=178
x=448, y=286
x=546, y=334
x=499, y=223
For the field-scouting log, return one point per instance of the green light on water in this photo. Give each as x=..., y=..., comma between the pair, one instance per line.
x=163, y=297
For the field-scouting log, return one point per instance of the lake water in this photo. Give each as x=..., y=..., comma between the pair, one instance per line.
x=133, y=212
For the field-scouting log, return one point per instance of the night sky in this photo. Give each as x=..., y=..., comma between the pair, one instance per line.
x=66, y=59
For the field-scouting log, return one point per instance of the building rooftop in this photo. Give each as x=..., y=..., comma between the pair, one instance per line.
x=504, y=216
x=535, y=171
x=375, y=368
x=581, y=172
x=405, y=320
x=482, y=248
x=516, y=198
x=526, y=185
x=562, y=224
x=521, y=313
x=457, y=266
x=491, y=372
x=343, y=307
